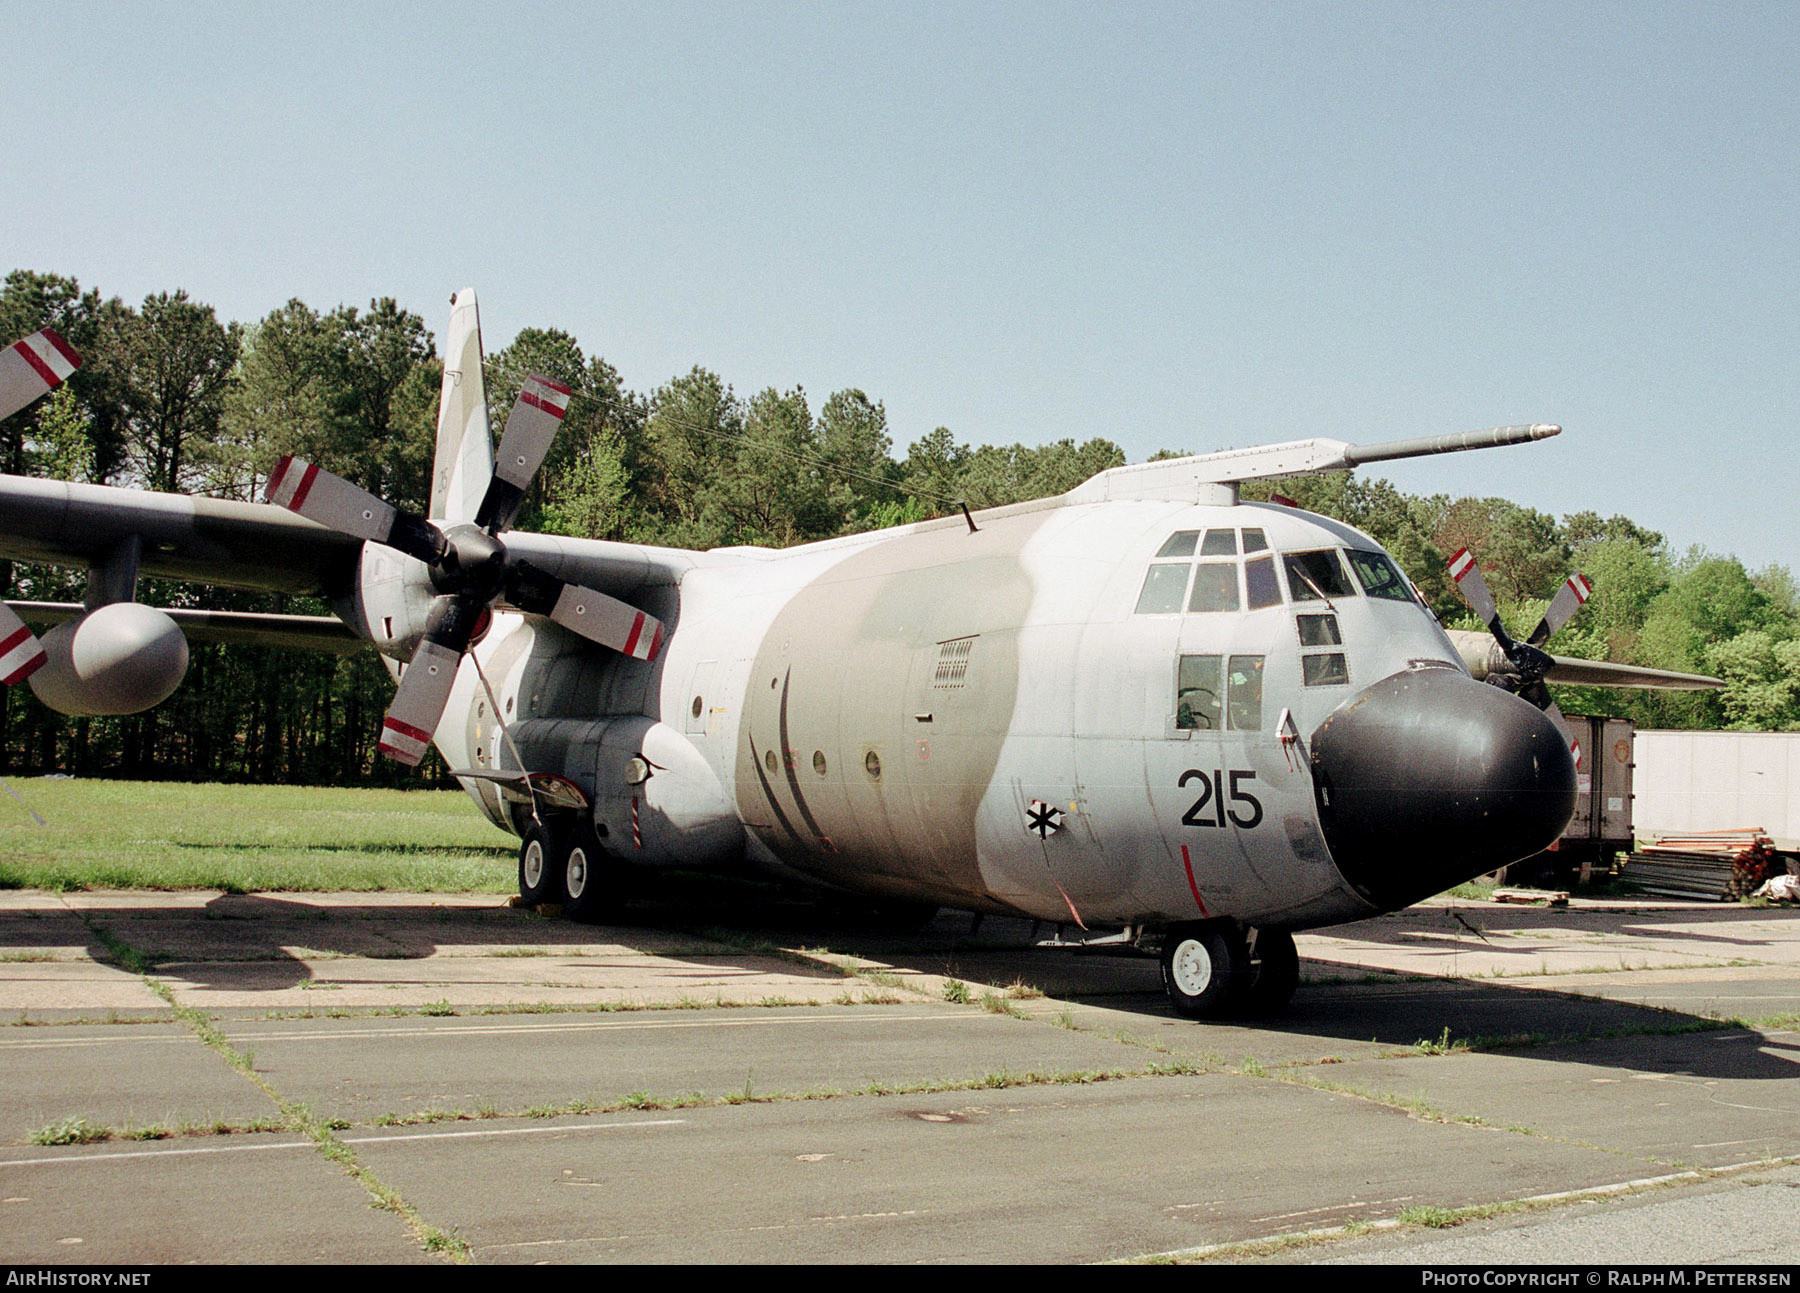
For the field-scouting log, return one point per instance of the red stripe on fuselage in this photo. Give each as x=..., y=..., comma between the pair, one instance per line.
x=1188, y=864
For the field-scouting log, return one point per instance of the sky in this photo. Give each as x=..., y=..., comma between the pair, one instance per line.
x=1183, y=226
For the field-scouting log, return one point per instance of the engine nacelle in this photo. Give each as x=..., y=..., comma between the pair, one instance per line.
x=118, y=659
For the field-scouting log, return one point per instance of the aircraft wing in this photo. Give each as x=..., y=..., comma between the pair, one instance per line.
x=261, y=546
x=208, y=540
x=1574, y=672
x=1482, y=655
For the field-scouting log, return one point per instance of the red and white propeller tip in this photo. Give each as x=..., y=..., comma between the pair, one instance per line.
x=34, y=367
x=469, y=564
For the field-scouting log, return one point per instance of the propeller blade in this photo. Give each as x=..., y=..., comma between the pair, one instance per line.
x=418, y=705
x=1569, y=599
x=308, y=490
x=1538, y=694
x=594, y=615
x=21, y=654
x=1475, y=592
x=530, y=430
x=32, y=367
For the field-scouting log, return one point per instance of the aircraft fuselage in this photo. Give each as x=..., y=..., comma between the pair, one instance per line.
x=1102, y=714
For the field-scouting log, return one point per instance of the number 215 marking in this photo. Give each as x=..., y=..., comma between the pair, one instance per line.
x=1213, y=793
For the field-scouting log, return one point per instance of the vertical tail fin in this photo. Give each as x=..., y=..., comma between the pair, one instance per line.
x=465, y=441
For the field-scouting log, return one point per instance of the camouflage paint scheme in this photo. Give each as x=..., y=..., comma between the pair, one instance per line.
x=788, y=672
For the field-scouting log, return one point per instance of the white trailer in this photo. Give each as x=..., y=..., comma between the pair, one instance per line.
x=1709, y=781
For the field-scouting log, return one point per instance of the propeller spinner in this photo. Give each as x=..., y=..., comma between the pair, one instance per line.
x=470, y=566
x=1529, y=661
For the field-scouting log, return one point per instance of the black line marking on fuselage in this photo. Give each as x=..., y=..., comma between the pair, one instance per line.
x=769, y=794
x=788, y=760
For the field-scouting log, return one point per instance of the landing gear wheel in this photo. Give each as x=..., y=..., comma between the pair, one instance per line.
x=541, y=865
x=1204, y=970
x=1275, y=973
x=588, y=878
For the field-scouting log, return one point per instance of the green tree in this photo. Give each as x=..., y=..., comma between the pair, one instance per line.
x=179, y=367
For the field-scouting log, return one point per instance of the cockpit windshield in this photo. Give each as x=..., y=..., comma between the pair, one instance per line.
x=1316, y=576
x=1378, y=577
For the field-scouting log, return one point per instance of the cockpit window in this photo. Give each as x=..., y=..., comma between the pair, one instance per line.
x=1219, y=543
x=1180, y=544
x=1260, y=583
x=1244, y=692
x=1378, y=577
x=1313, y=576
x=1197, y=688
x=1318, y=630
x=1254, y=541
x=1203, y=681
x=1163, y=587
x=1215, y=586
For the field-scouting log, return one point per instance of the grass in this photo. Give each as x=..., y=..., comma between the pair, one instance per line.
x=172, y=835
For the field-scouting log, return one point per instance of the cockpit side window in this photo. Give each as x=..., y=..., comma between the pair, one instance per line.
x=1163, y=587
x=1244, y=692
x=1313, y=576
x=1209, y=696
x=1378, y=577
x=1197, y=688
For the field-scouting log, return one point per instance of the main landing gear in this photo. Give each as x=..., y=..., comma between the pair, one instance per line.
x=560, y=861
x=1218, y=970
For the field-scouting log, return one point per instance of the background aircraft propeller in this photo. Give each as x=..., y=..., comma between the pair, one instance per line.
x=1529, y=661
x=29, y=368
x=469, y=564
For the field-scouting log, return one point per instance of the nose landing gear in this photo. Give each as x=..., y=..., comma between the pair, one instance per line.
x=1219, y=970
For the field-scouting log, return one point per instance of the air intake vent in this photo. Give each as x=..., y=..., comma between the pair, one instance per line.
x=952, y=664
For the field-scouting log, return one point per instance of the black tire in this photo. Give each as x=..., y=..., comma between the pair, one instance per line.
x=1274, y=974
x=541, y=865
x=1205, y=969
x=590, y=879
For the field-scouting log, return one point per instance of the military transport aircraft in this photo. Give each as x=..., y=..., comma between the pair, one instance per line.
x=1178, y=721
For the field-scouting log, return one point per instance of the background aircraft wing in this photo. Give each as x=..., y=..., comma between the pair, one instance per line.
x=262, y=546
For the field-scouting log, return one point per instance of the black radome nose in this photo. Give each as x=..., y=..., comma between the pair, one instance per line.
x=1429, y=778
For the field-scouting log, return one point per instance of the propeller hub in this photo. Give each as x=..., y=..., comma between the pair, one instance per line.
x=473, y=563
